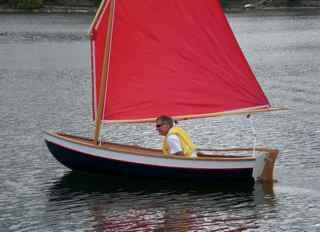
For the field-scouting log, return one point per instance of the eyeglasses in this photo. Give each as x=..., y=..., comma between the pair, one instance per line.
x=159, y=125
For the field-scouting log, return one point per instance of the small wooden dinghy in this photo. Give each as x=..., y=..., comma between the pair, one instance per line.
x=173, y=57
x=82, y=154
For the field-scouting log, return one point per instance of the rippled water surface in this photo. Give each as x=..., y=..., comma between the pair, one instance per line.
x=45, y=85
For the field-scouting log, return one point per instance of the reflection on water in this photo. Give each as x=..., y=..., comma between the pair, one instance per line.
x=80, y=182
x=126, y=204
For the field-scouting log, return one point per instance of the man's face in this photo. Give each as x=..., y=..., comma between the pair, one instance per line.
x=162, y=128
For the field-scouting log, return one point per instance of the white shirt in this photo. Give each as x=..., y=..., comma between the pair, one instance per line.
x=175, y=145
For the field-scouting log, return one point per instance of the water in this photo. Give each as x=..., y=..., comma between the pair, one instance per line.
x=45, y=85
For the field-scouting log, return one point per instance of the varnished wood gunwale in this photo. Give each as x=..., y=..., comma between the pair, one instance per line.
x=136, y=150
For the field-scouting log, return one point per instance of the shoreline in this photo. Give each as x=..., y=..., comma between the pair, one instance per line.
x=50, y=9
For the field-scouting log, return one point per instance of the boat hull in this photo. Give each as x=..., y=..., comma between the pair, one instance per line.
x=79, y=161
x=81, y=156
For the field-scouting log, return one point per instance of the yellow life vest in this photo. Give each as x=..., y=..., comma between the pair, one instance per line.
x=186, y=143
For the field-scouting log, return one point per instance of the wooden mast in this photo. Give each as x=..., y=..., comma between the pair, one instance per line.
x=98, y=13
x=105, y=71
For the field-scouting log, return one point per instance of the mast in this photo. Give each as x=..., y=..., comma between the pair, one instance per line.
x=105, y=71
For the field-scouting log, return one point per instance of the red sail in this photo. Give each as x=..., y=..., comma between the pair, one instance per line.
x=174, y=57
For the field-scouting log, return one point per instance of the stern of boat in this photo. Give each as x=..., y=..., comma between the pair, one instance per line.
x=264, y=167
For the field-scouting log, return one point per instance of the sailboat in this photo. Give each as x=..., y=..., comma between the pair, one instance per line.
x=173, y=57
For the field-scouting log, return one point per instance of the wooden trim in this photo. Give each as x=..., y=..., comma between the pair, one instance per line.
x=219, y=114
x=98, y=13
x=240, y=149
x=136, y=150
x=267, y=173
x=105, y=72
